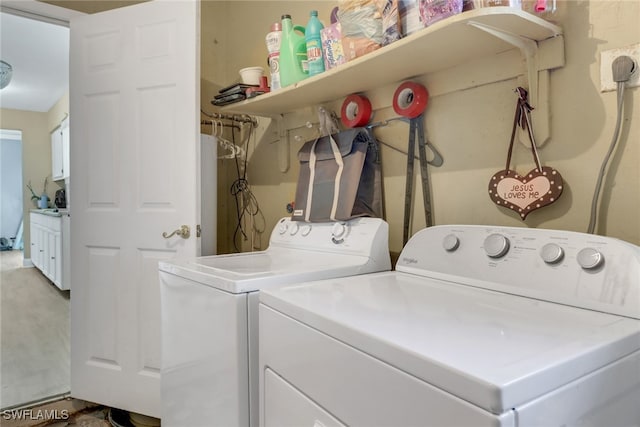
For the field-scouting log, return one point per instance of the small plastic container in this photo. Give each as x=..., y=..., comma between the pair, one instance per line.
x=251, y=75
x=471, y=5
x=509, y=3
x=545, y=9
x=43, y=201
x=432, y=11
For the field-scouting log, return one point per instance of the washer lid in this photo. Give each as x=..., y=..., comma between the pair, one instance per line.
x=495, y=350
x=252, y=271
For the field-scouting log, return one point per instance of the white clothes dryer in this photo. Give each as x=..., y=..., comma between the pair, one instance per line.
x=478, y=326
x=209, y=312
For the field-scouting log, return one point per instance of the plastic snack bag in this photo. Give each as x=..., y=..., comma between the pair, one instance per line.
x=361, y=24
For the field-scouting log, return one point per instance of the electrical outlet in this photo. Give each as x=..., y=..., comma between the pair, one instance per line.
x=606, y=59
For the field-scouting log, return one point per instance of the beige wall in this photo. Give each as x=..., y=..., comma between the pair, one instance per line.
x=471, y=129
x=58, y=112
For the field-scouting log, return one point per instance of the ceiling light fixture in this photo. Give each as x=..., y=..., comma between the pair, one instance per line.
x=6, y=71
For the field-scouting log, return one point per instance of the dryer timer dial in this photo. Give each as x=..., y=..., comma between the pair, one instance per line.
x=450, y=242
x=496, y=245
x=282, y=227
x=306, y=229
x=552, y=253
x=294, y=228
x=339, y=232
x=590, y=258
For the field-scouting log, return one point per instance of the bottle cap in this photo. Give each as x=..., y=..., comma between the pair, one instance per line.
x=314, y=13
x=286, y=17
x=276, y=26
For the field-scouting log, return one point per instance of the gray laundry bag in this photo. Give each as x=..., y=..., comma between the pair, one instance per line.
x=339, y=179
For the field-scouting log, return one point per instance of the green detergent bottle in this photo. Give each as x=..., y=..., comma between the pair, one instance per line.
x=293, y=53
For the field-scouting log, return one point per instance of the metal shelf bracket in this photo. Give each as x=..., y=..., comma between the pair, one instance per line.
x=537, y=76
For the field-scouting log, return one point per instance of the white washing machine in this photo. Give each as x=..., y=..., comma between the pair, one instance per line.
x=478, y=326
x=209, y=311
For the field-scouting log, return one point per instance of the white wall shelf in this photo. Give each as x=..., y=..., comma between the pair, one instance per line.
x=448, y=43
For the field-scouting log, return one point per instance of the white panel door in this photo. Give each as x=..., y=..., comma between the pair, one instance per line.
x=134, y=97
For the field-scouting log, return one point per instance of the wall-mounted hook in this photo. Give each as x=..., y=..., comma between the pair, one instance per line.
x=386, y=122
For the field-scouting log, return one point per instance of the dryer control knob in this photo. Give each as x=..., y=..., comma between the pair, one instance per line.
x=305, y=229
x=450, y=242
x=496, y=245
x=282, y=228
x=590, y=258
x=339, y=230
x=551, y=253
x=294, y=228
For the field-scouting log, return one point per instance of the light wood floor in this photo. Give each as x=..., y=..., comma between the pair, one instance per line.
x=34, y=334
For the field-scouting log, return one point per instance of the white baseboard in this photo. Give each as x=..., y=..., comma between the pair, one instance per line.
x=26, y=262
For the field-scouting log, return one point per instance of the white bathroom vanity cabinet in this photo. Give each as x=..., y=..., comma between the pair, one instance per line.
x=49, y=237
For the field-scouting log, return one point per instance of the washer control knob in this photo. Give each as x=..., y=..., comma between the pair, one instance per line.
x=450, y=242
x=305, y=229
x=339, y=230
x=552, y=253
x=282, y=228
x=590, y=258
x=294, y=228
x=496, y=245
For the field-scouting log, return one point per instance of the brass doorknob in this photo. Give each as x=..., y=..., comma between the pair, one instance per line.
x=184, y=231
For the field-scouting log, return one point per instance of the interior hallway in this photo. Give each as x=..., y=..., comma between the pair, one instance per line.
x=34, y=334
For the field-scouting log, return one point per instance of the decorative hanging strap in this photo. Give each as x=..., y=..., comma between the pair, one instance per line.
x=540, y=187
x=523, y=118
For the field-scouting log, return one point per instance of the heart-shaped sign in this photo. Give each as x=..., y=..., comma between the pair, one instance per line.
x=524, y=194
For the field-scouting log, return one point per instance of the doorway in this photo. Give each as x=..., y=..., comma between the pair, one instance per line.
x=11, y=190
x=34, y=324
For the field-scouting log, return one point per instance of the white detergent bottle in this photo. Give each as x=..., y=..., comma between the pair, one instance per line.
x=274, y=39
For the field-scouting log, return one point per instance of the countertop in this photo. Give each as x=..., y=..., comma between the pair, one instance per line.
x=51, y=211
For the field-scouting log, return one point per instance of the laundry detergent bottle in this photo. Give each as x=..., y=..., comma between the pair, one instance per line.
x=315, y=58
x=293, y=53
